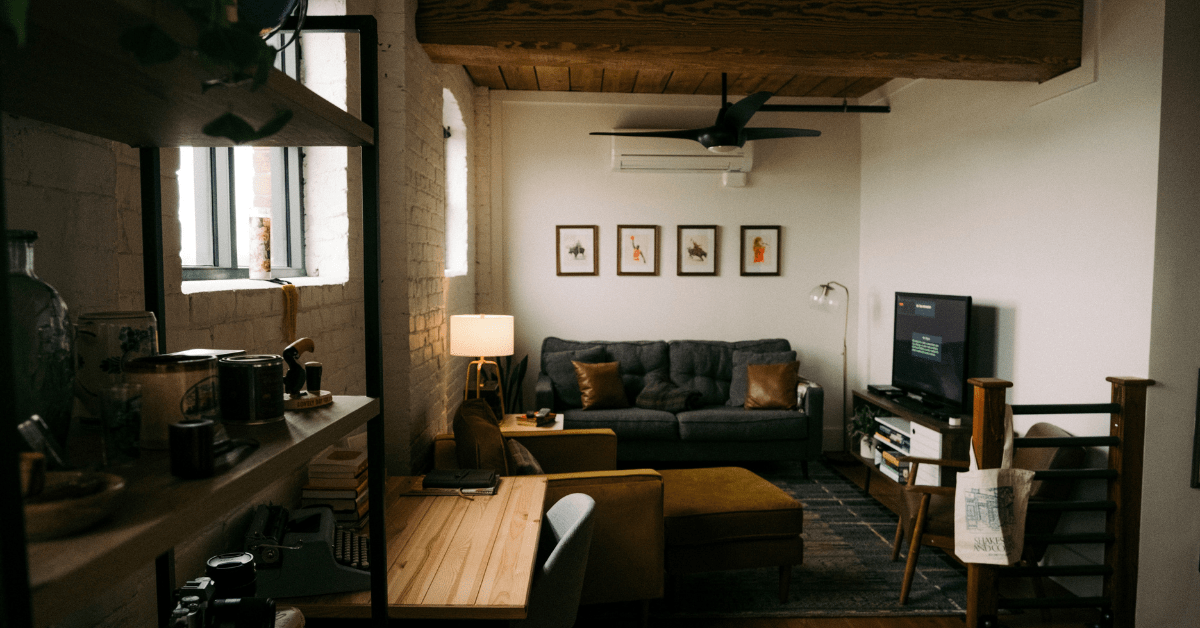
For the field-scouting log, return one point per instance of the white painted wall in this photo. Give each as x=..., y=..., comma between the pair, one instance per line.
x=1038, y=201
x=554, y=173
x=1043, y=209
x=1168, y=584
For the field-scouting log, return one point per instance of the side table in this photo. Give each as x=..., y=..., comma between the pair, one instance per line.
x=510, y=424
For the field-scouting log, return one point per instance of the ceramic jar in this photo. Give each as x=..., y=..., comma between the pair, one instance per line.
x=174, y=388
x=104, y=342
x=41, y=341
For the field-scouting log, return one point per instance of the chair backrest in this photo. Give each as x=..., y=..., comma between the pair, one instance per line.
x=558, y=580
x=1042, y=459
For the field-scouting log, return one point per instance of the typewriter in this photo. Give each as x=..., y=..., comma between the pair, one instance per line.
x=302, y=552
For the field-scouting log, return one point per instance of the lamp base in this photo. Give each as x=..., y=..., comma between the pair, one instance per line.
x=477, y=366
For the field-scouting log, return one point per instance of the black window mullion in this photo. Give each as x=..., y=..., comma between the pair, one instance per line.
x=232, y=214
x=214, y=211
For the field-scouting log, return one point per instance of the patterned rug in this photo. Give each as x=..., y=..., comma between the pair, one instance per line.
x=847, y=569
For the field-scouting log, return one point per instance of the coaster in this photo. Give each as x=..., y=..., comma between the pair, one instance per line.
x=309, y=400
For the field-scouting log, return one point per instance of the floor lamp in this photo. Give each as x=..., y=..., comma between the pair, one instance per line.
x=481, y=335
x=824, y=297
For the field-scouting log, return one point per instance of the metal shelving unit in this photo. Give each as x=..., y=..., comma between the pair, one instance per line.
x=74, y=74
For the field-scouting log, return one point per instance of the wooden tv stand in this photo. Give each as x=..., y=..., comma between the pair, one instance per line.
x=928, y=438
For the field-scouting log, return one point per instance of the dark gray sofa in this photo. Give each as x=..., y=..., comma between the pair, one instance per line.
x=713, y=432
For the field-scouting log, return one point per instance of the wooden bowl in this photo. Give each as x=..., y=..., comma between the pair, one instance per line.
x=52, y=519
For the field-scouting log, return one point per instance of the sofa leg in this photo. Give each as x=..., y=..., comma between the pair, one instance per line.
x=804, y=468
x=785, y=582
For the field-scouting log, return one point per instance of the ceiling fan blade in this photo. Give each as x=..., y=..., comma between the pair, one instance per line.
x=767, y=133
x=684, y=134
x=739, y=113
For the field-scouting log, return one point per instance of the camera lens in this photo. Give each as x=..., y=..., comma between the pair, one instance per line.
x=234, y=574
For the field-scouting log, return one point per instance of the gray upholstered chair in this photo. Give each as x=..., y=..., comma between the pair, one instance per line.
x=558, y=581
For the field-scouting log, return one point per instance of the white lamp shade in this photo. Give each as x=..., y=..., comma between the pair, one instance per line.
x=480, y=335
x=824, y=296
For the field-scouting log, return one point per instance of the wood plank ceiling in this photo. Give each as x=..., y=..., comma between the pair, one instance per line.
x=826, y=48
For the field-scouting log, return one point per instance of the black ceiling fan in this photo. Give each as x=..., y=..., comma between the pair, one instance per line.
x=730, y=132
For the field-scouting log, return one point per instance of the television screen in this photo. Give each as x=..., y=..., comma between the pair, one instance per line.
x=929, y=348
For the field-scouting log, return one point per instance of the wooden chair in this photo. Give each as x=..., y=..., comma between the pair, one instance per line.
x=929, y=510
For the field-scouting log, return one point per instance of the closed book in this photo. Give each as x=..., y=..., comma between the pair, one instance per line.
x=339, y=460
x=345, y=474
x=460, y=478
x=353, y=482
x=335, y=504
x=356, y=488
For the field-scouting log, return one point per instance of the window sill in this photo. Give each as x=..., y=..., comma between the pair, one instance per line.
x=231, y=285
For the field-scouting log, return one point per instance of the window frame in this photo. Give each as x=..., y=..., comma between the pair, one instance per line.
x=216, y=206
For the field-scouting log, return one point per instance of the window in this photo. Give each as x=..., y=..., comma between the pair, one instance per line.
x=455, y=135
x=221, y=188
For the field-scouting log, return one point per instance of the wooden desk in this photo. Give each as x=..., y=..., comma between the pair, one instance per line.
x=452, y=558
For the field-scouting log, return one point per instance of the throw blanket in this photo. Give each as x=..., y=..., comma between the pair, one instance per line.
x=668, y=397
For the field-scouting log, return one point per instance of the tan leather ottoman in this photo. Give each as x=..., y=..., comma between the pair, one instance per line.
x=729, y=518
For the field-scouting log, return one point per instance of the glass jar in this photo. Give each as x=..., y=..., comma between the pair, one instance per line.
x=104, y=343
x=41, y=341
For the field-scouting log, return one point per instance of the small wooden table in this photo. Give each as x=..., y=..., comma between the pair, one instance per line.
x=510, y=424
x=450, y=557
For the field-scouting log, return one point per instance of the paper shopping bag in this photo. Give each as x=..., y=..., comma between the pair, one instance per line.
x=989, y=515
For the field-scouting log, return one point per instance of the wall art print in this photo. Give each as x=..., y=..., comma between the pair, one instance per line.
x=697, y=250
x=577, y=247
x=637, y=249
x=760, y=250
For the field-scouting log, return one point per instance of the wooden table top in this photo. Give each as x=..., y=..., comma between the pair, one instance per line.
x=450, y=557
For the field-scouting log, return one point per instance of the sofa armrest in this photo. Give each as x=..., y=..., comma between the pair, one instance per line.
x=544, y=392
x=557, y=451
x=626, y=560
x=814, y=407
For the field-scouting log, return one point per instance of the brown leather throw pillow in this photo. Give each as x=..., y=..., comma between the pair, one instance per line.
x=772, y=386
x=478, y=443
x=600, y=385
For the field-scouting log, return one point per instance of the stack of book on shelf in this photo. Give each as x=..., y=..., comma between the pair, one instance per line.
x=338, y=478
x=892, y=442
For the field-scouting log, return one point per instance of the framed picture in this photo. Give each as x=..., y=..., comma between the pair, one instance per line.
x=637, y=249
x=696, y=250
x=760, y=250
x=576, y=249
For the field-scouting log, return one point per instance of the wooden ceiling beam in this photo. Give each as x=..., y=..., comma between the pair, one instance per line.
x=1024, y=40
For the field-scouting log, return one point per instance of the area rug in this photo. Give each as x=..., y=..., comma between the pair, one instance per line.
x=847, y=569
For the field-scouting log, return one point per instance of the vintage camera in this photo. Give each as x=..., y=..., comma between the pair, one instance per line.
x=197, y=607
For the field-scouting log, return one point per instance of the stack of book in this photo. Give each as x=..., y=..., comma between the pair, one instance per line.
x=338, y=479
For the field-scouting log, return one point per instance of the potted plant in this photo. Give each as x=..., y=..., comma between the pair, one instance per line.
x=861, y=430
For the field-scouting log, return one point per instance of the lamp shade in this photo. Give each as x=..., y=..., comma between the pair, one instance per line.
x=479, y=335
x=825, y=296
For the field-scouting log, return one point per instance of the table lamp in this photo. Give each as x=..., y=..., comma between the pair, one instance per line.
x=481, y=335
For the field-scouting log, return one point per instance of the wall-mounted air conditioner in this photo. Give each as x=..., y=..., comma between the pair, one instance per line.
x=658, y=154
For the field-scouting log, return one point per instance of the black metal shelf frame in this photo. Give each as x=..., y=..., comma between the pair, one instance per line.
x=15, y=597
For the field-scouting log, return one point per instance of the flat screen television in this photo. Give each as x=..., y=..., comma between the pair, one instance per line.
x=930, y=349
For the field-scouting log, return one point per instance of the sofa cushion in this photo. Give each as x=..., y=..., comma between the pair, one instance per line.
x=668, y=397
x=707, y=365
x=723, y=504
x=558, y=365
x=642, y=362
x=771, y=386
x=520, y=461
x=478, y=442
x=631, y=423
x=722, y=423
x=737, y=383
x=600, y=385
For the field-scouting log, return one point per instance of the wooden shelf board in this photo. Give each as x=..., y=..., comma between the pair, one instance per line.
x=73, y=73
x=160, y=510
